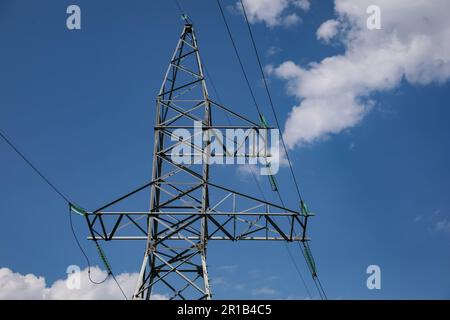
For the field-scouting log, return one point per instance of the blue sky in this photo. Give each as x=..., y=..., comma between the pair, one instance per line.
x=80, y=104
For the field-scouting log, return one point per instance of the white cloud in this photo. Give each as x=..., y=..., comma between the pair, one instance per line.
x=443, y=225
x=274, y=12
x=435, y=221
x=17, y=286
x=264, y=291
x=291, y=20
x=303, y=4
x=273, y=50
x=229, y=268
x=335, y=93
x=248, y=169
x=327, y=30
x=217, y=281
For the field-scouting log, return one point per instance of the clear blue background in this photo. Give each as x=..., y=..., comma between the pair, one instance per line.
x=80, y=104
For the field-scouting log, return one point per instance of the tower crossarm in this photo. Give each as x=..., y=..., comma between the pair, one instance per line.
x=233, y=216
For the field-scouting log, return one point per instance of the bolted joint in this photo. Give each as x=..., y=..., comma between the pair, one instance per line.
x=151, y=248
x=200, y=246
x=200, y=271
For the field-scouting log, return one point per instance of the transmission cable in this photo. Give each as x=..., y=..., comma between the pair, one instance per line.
x=244, y=73
x=270, y=98
x=258, y=184
x=177, y=3
x=315, y=276
x=239, y=59
x=36, y=170
x=70, y=203
x=82, y=250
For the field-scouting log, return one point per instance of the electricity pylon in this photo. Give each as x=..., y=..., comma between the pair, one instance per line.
x=187, y=209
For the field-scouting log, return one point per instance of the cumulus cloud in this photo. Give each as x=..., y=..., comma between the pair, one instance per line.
x=17, y=286
x=303, y=4
x=31, y=287
x=274, y=12
x=335, y=93
x=327, y=30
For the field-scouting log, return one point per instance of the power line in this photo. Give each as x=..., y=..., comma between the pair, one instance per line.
x=118, y=284
x=270, y=99
x=315, y=278
x=298, y=270
x=262, y=193
x=82, y=250
x=177, y=3
x=229, y=122
x=321, y=287
x=292, y=257
x=242, y=68
x=61, y=194
x=66, y=199
x=260, y=115
x=239, y=58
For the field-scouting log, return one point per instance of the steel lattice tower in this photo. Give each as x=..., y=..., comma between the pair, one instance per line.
x=186, y=209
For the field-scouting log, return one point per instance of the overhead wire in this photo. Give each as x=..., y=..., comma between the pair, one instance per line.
x=82, y=250
x=177, y=3
x=244, y=73
x=317, y=283
x=255, y=179
x=266, y=86
x=258, y=109
x=315, y=278
x=70, y=204
x=238, y=56
x=270, y=99
x=36, y=170
x=258, y=184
